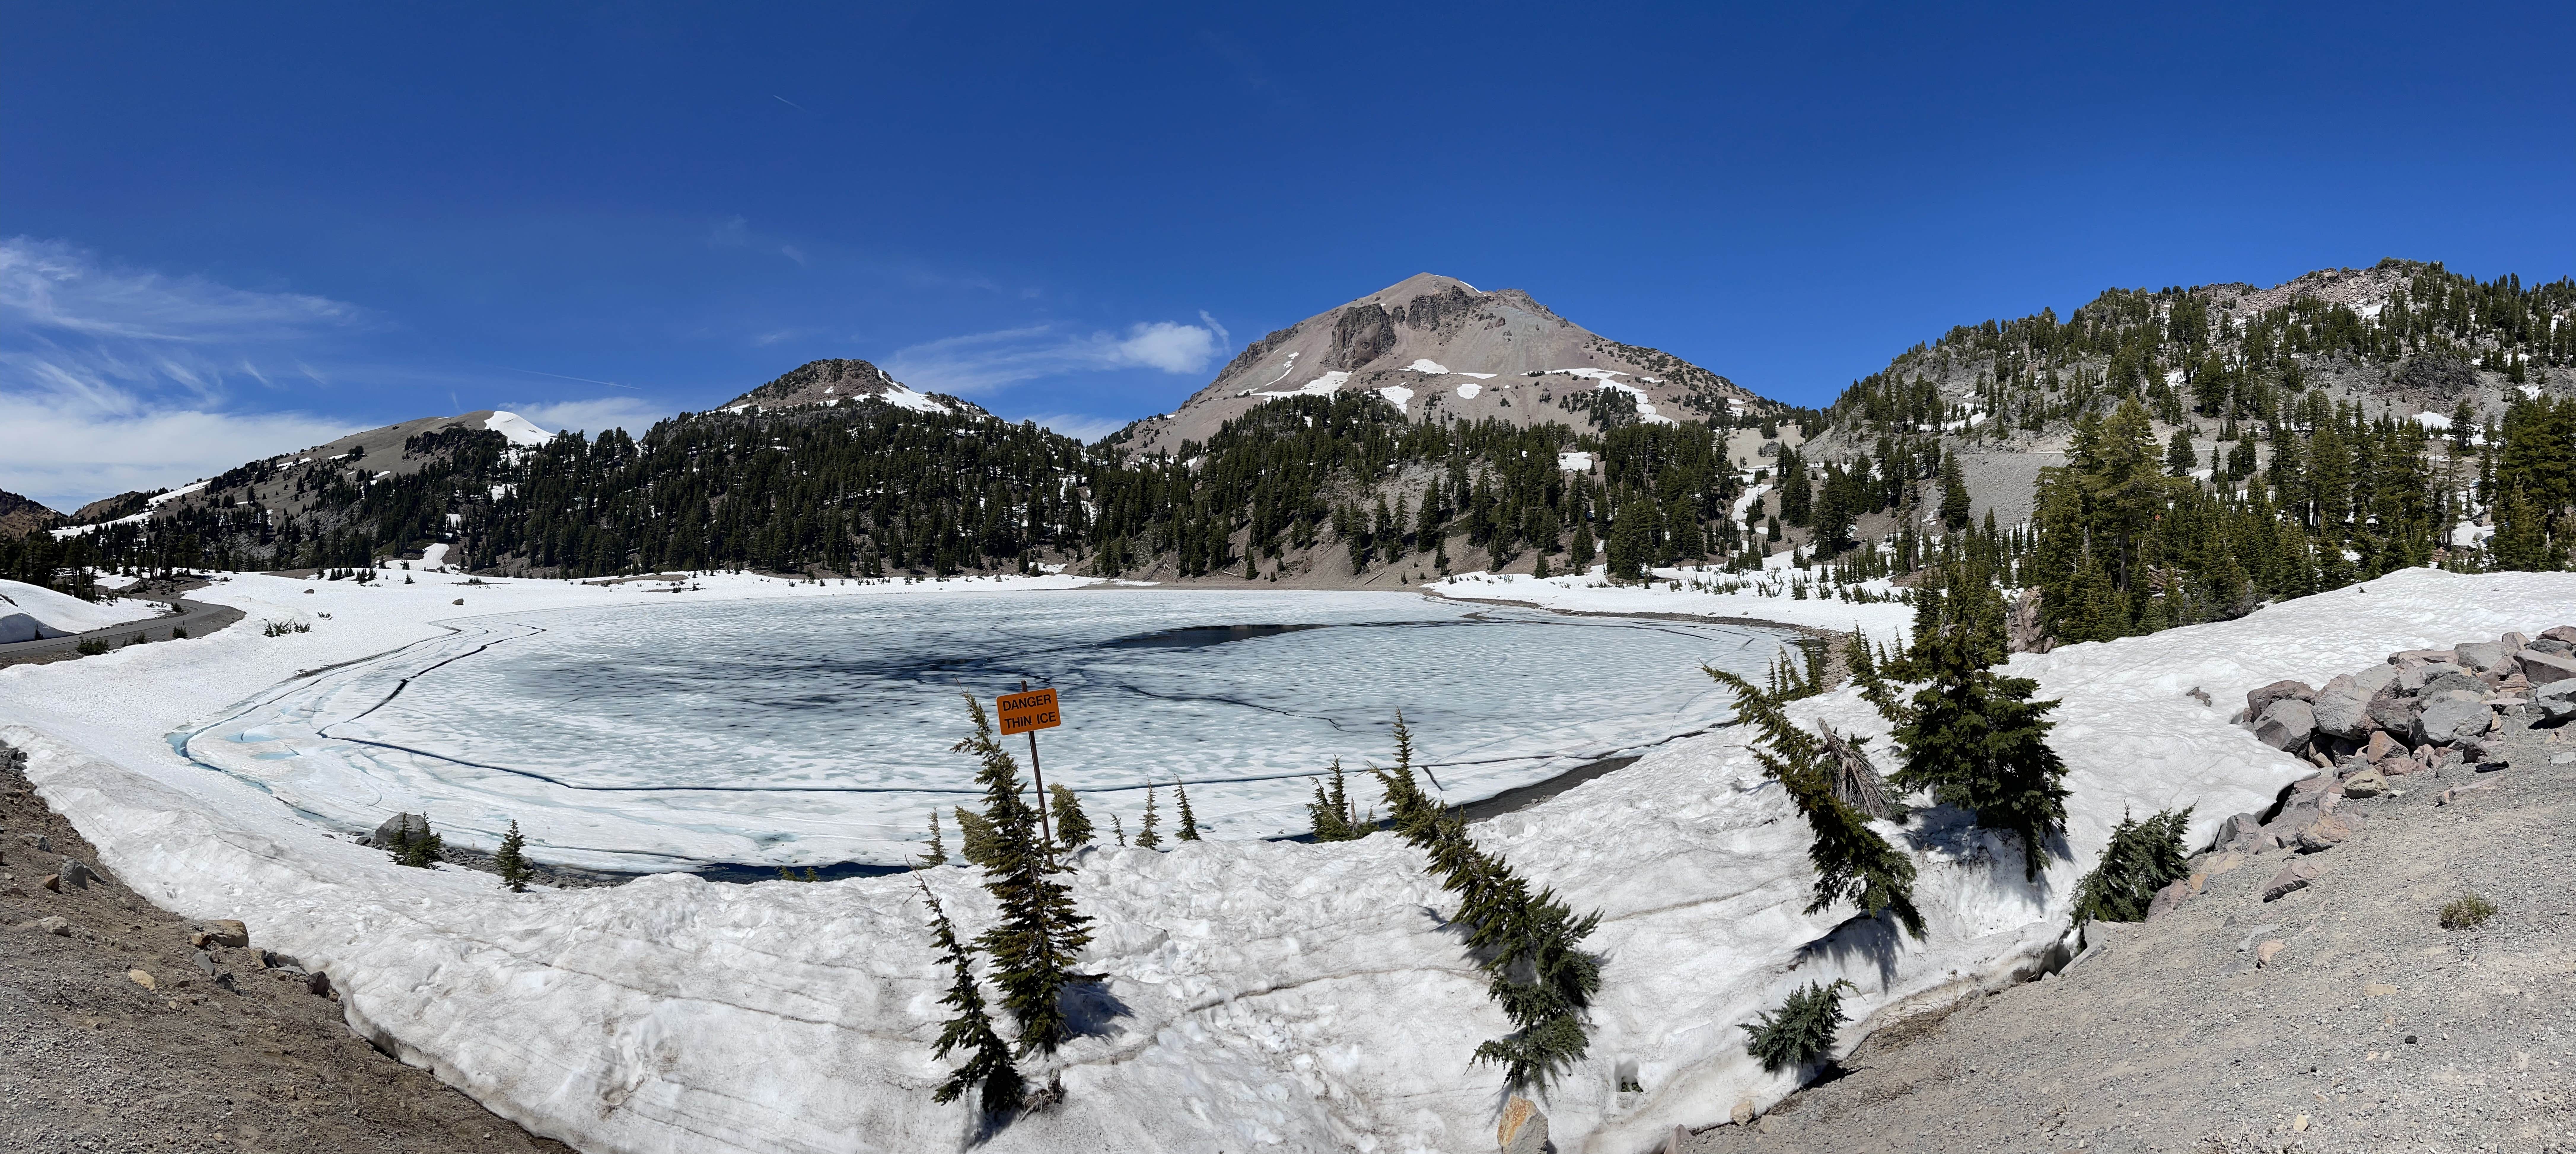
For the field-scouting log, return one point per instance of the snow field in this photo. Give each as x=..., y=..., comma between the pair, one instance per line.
x=1765, y=597
x=1260, y=995
x=62, y=613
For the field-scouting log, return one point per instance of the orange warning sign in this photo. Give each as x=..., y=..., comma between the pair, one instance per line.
x=1027, y=712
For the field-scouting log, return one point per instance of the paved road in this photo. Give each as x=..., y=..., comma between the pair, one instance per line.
x=198, y=618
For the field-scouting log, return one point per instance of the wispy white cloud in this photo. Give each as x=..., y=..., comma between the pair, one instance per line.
x=66, y=453
x=56, y=287
x=982, y=362
x=594, y=416
x=114, y=378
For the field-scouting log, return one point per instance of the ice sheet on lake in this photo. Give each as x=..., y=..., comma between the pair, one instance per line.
x=803, y=733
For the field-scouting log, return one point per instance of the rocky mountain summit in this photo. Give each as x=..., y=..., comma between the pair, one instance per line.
x=835, y=382
x=20, y=516
x=1437, y=345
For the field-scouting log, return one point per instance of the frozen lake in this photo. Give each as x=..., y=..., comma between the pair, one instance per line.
x=811, y=732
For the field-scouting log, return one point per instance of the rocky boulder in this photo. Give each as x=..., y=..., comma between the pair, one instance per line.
x=2287, y=724
x=2451, y=717
x=2259, y=700
x=2547, y=668
x=417, y=825
x=2456, y=682
x=2342, y=709
x=1523, y=1129
x=2395, y=712
x=2565, y=633
x=2483, y=656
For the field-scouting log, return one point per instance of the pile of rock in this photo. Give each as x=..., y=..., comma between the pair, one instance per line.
x=2423, y=707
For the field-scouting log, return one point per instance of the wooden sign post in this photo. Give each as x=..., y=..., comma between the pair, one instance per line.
x=1029, y=711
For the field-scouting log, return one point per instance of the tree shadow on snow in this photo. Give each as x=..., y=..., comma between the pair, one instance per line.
x=1091, y=1009
x=1877, y=939
x=1952, y=832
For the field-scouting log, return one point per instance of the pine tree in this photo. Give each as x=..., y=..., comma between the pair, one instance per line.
x=1579, y=554
x=2178, y=455
x=1041, y=935
x=1802, y=1030
x=937, y=855
x=1632, y=538
x=1530, y=942
x=1852, y=862
x=1976, y=740
x=1189, y=823
x=419, y=850
x=988, y=1060
x=1146, y=838
x=1072, y=827
x=975, y=835
x=1119, y=830
x=2142, y=857
x=512, y=861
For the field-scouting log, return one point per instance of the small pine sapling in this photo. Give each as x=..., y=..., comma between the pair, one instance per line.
x=512, y=860
x=1801, y=1030
x=1118, y=829
x=1146, y=838
x=419, y=850
x=988, y=1057
x=937, y=854
x=1332, y=813
x=1072, y=827
x=2143, y=857
x=1041, y=934
x=1189, y=821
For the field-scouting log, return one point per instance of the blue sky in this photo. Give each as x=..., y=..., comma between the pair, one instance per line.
x=225, y=235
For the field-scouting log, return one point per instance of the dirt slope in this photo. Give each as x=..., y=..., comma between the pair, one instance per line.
x=91, y=1061
x=2371, y=1028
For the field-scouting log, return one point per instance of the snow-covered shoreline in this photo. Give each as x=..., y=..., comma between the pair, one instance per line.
x=1260, y=995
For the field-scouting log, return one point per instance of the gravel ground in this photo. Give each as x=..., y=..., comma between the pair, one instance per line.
x=93, y=1062
x=2371, y=1028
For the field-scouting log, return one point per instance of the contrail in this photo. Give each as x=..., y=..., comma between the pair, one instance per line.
x=586, y=380
x=789, y=103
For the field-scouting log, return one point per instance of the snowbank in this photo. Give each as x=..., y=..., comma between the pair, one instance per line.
x=28, y=612
x=1259, y=995
x=1766, y=597
x=517, y=429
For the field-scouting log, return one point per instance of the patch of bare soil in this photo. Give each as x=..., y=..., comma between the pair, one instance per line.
x=119, y=1034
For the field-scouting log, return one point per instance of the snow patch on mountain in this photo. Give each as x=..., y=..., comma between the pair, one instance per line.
x=1322, y=386
x=519, y=430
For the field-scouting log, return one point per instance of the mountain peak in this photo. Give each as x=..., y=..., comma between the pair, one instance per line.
x=1435, y=346
x=834, y=380
x=1419, y=284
